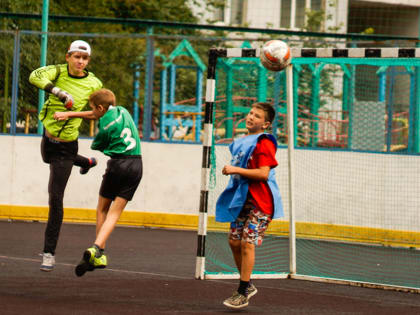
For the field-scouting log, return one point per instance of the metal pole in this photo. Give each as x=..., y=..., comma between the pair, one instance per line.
x=290, y=150
x=276, y=102
x=229, y=103
x=6, y=92
x=198, y=95
x=206, y=164
x=136, y=88
x=44, y=41
x=148, y=97
x=15, y=84
x=416, y=126
x=163, y=102
x=390, y=109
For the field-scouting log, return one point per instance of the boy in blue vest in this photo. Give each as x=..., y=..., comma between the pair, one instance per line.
x=252, y=198
x=117, y=138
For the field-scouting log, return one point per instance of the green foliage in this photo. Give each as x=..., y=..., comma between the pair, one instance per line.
x=368, y=31
x=115, y=46
x=209, y=6
x=314, y=20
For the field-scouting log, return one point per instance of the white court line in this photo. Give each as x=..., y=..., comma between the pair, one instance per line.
x=106, y=269
x=288, y=289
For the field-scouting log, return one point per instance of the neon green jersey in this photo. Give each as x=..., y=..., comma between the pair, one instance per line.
x=117, y=134
x=79, y=87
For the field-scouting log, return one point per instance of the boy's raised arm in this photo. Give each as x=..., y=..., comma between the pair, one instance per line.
x=66, y=115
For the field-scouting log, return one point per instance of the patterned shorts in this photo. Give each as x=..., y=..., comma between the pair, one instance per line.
x=250, y=225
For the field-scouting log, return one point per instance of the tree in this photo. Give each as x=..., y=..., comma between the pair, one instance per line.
x=115, y=47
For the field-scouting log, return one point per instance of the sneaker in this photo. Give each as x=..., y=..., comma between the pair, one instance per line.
x=92, y=163
x=91, y=256
x=236, y=301
x=90, y=262
x=82, y=267
x=251, y=290
x=48, y=262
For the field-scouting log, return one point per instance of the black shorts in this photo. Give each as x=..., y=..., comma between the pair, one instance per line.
x=52, y=150
x=122, y=177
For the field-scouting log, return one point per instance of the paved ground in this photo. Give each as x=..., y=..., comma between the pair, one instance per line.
x=151, y=271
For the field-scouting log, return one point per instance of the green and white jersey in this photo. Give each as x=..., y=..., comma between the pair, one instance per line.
x=79, y=87
x=117, y=134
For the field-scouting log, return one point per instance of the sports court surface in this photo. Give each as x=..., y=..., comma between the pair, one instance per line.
x=151, y=271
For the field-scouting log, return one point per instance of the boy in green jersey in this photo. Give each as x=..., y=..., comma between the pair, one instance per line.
x=69, y=86
x=117, y=138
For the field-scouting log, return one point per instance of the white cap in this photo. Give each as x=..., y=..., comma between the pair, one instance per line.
x=80, y=46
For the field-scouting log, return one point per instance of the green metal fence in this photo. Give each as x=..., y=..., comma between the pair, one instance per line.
x=156, y=72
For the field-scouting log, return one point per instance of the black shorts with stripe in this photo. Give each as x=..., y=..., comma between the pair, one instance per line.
x=122, y=177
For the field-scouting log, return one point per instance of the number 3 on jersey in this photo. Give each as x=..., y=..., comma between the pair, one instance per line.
x=128, y=139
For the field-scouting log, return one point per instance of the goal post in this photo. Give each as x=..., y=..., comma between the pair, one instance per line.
x=348, y=153
x=208, y=143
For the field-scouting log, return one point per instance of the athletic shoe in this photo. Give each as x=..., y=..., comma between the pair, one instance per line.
x=48, y=262
x=91, y=255
x=92, y=163
x=236, y=301
x=251, y=290
x=82, y=267
x=90, y=262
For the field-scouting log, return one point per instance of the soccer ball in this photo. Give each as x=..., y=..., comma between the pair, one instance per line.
x=275, y=55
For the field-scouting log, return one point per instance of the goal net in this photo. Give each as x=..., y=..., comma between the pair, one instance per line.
x=348, y=163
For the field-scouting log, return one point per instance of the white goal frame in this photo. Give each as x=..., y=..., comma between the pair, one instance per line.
x=214, y=54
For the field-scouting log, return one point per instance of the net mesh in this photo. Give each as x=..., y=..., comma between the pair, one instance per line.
x=240, y=82
x=356, y=171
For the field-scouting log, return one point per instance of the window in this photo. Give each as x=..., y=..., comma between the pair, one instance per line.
x=300, y=13
x=316, y=5
x=286, y=7
x=236, y=11
x=299, y=19
x=219, y=15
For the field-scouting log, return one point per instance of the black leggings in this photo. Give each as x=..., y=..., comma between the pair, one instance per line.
x=61, y=156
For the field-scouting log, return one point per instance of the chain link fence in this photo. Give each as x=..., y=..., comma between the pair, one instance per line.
x=160, y=79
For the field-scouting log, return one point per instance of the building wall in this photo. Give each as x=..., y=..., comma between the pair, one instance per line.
x=387, y=17
x=384, y=17
x=395, y=2
x=263, y=14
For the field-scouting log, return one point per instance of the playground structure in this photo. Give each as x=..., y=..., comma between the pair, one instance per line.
x=348, y=118
x=183, y=122
x=242, y=81
x=340, y=115
x=178, y=120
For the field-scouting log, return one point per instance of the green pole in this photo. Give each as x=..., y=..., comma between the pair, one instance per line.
x=44, y=41
x=6, y=87
x=148, y=85
x=315, y=104
x=229, y=102
x=6, y=93
x=296, y=70
x=262, y=84
x=416, y=144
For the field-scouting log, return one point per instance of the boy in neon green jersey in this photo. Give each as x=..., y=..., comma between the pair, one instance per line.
x=117, y=138
x=69, y=86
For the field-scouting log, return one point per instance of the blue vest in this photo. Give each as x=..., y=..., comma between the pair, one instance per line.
x=232, y=199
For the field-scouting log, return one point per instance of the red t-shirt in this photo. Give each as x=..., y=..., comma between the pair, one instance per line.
x=263, y=155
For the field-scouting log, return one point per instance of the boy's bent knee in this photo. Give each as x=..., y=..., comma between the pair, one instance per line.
x=247, y=246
